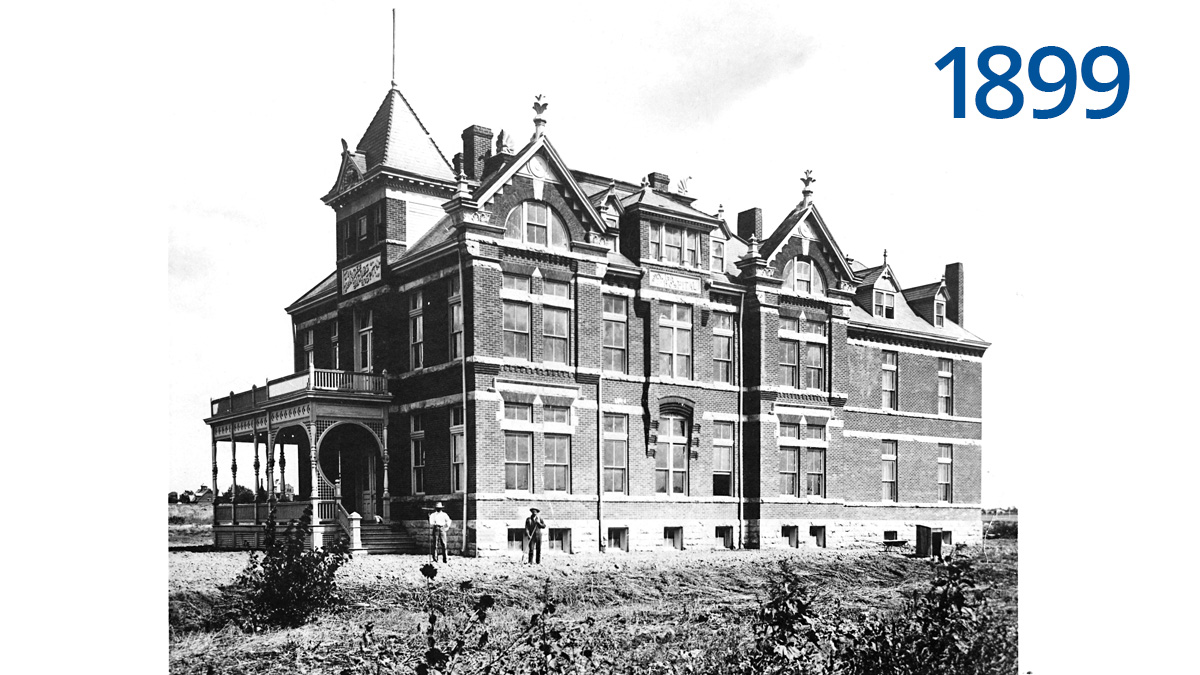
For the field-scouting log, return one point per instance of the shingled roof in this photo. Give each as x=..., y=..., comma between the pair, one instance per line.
x=397, y=139
x=665, y=202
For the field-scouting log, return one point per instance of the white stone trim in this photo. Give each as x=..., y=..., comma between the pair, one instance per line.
x=913, y=350
x=720, y=417
x=536, y=389
x=877, y=435
x=807, y=412
x=443, y=401
x=905, y=413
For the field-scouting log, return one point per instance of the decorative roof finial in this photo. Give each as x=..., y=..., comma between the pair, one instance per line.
x=540, y=103
x=504, y=143
x=645, y=182
x=885, y=256
x=721, y=211
x=683, y=184
x=753, y=252
x=393, y=48
x=463, y=190
x=808, y=180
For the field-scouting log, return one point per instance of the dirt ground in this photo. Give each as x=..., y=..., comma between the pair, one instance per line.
x=630, y=595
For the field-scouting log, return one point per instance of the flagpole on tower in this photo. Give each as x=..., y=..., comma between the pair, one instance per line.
x=393, y=47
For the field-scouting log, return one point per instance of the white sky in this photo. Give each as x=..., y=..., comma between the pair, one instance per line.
x=208, y=133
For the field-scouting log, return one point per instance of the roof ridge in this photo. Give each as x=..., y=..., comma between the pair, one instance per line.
x=422, y=125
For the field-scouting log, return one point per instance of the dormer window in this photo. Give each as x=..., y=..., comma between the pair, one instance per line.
x=939, y=313
x=674, y=245
x=536, y=224
x=717, y=264
x=885, y=304
x=802, y=276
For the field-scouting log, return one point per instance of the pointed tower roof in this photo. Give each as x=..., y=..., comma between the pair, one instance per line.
x=397, y=139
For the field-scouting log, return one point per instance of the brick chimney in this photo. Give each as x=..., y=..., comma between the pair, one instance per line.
x=659, y=181
x=750, y=223
x=477, y=145
x=955, y=289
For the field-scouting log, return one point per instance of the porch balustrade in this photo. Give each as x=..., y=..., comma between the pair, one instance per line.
x=315, y=379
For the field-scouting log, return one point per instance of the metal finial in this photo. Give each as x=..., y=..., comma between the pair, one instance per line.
x=721, y=211
x=885, y=256
x=753, y=252
x=808, y=179
x=540, y=103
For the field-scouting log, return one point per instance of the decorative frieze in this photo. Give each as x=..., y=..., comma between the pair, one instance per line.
x=361, y=274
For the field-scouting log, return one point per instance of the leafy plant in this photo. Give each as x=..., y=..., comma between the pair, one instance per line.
x=290, y=581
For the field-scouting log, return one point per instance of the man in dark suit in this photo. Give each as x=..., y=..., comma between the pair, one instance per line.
x=533, y=531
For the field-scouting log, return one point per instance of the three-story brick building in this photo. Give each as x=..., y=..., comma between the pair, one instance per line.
x=502, y=331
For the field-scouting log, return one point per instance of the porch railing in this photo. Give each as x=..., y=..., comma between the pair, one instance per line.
x=351, y=525
x=315, y=379
x=284, y=512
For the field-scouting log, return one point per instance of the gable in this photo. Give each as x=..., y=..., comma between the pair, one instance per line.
x=887, y=282
x=804, y=233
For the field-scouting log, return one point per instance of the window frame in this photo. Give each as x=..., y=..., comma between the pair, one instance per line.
x=619, y=322
x=939, y=313
x=946, y=486
x=884, y=305
x=677, y=451
x=516, y=333
x=458, y=450
x=564, y=465
x=723, y=447
x=677, y=360
x=456, y=320
x=416, y=331
x=618, y=437
x=364, y=346
x=945, y=386
x=552, y=229
x=416, y=448
x=662, y=242
x=558, y=342
x=890, y=458
x=726, y=334
x=890, y=399
x=716, y=258
x=521, y=467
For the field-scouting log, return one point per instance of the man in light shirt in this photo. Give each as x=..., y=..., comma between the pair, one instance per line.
x=439, y=524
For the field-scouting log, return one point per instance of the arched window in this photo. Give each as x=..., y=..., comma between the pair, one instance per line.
x=671, y=459
x=536, y=223
x=802, y=276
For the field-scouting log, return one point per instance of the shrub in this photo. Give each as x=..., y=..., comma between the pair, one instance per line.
x=1000, y=529
x=172, y=498
x=244, y=495
x=289, y=582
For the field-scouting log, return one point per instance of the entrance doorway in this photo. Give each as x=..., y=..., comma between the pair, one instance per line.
x=349, y=453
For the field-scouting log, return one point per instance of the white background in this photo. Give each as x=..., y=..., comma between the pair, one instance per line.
x=163, y=168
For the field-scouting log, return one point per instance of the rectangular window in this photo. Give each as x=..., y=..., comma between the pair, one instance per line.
x=675, y=340
x=655, y=242
x=558, y=289
x=813, y=327
x=789, y=363
x=814, y=366
x=691, y=248
x=333, y=340
x=558, y=463
x=521, y=412
x=614, y=333
x=514, y=282
x=939, y=313
x=814, y=432
x=723, y=347
x=723, y=459
x=516, y=331
x=516, y=460
x=458, y=452
x=890, y=380
x=673, y=537
x=945, y=472
x=789, y=430
x=673, y=245
x=671, y=459
x=363, y=232
x=416, y=435
x=362, y=354
x=616, y=439
x=717, y=262
x=889, y=458
x=787, y=470
x=885, y=304
x=308, y=348
x=537, y=219
x=618, y=539
x=556, y=414
x=789, y=323
x=416, y=331
x=456, y=331
x=945, y=387
x=804, y=276
x=815, y=468
x=559, y=539
x=555, y=332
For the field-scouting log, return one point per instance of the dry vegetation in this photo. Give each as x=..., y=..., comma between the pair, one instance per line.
x=640, y=608
x=189, y=525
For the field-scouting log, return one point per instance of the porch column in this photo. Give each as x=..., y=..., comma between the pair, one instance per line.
x=214, y=469
x=387, y=497
x=257, y=482
x=270, y=465
x=233, y=487
x=282, y=469
x=316, y=490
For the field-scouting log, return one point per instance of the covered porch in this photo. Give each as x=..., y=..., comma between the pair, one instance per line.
x=330, y=427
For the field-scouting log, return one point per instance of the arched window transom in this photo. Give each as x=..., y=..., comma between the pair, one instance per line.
x=536, y=224
x=800, y=275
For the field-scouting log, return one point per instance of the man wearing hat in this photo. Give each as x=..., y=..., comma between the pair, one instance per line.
x=533, y=531
x=439, y=524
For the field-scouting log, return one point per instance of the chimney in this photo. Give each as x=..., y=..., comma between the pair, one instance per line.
x=750, y=223
x=477, y=145
x=955, y=289
x=659, y=181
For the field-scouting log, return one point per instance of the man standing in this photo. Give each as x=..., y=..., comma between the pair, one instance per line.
x=533, y=531
x=439, y=524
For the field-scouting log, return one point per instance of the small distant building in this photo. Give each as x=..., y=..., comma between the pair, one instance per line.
x=203, y=496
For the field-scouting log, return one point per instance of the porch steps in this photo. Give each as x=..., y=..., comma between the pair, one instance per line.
x=387, y=538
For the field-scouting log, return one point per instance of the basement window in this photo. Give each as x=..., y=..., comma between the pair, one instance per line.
x=673, y=537
x=516, y=538
x=560, y=539
x=618, y=539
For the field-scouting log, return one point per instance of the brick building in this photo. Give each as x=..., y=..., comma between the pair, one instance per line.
x=501, y=331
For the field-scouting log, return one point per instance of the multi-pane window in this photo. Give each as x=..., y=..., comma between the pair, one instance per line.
x=556, y=414
x=789, y=323
x=558, y=289
x=520, y=412
x=945, y=472
x=670, y=461
x=456, y=319
x=458, y=450
x=535, y=223
x=334, y=348
x=416, y=443
x=558, y=463
x=723, y=347
x=802, y=446
x=802, y=276
x=675, y=245
x=945, y=386
x=615, y=335
x=889, y=458
x=812, y=327
x=363, y=233
x=723, y=459
x=616, y=443
x=717, y=262
x=517, y=451
x=675, y=340
x=516, y=282
x=363, y=348
x=787, y=470
x=815, y=470
x=416, y=331
x=308, y=348
x=890, y=379
x=885, y=304
x=555, y=332
x=789, y=363
x=814, y=366
x=516, y=330
x=939, y=313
